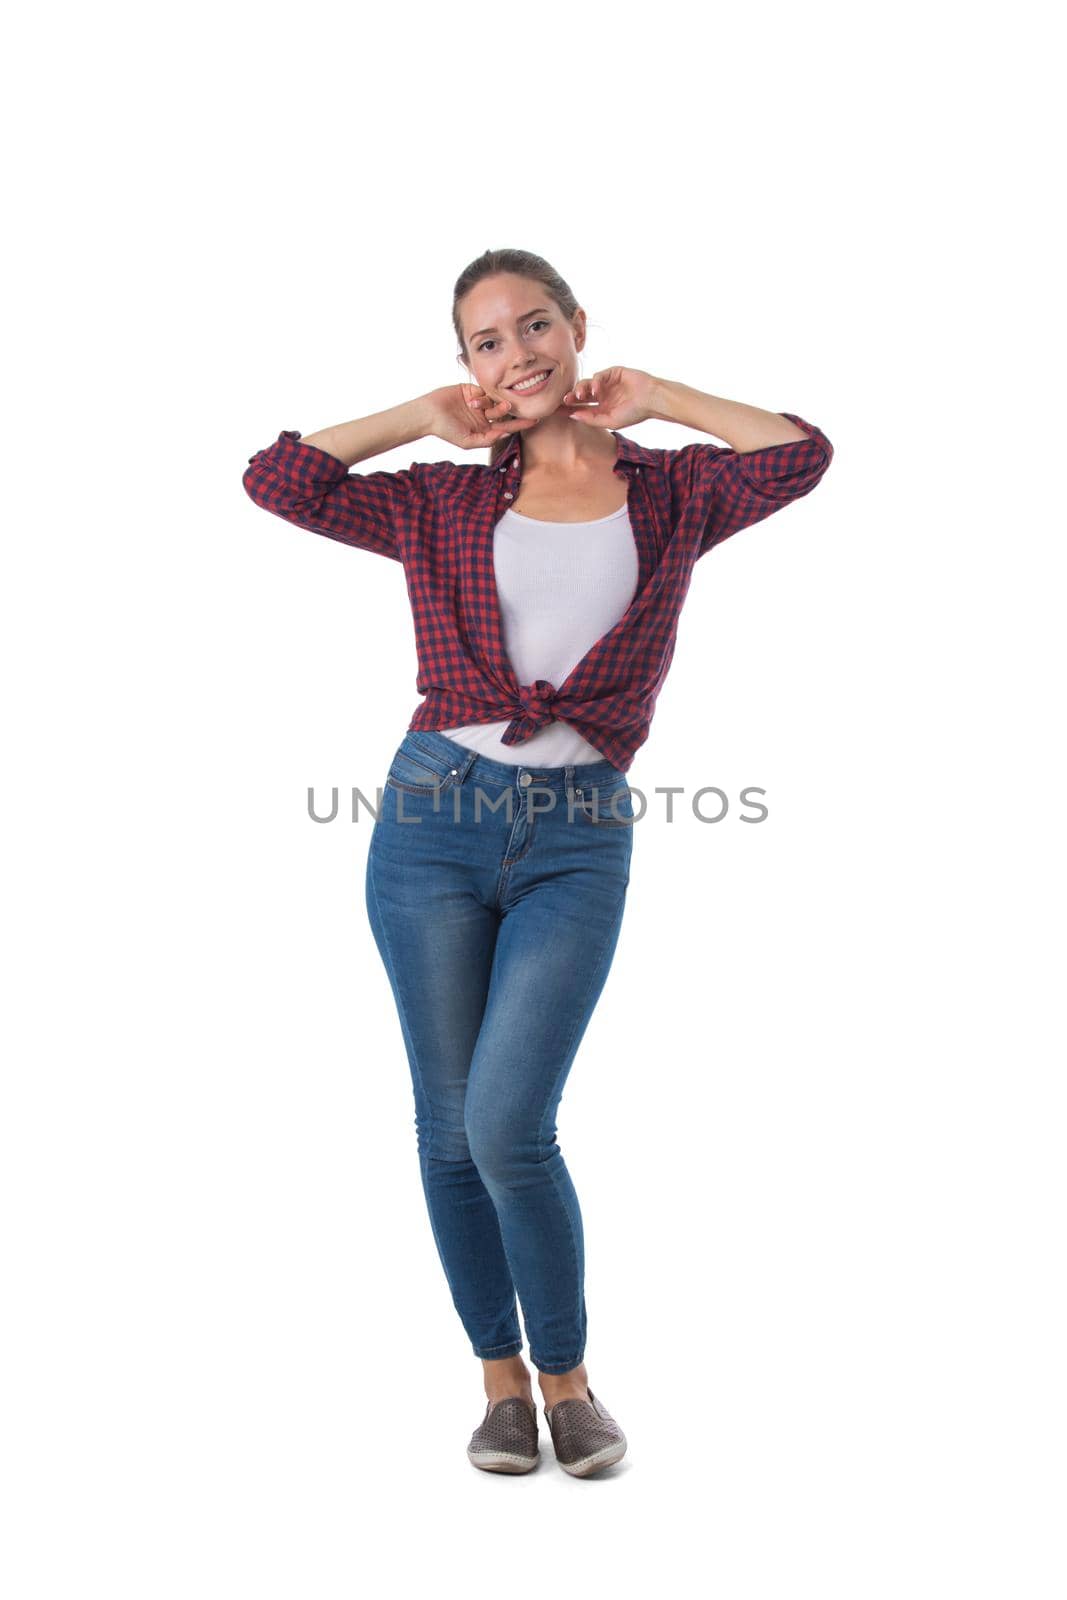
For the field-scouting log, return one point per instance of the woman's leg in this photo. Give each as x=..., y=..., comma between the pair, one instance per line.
x=552, y=957
x=437, y=939
x=497, y=930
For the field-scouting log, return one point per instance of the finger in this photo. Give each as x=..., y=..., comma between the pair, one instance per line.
x=493, y=434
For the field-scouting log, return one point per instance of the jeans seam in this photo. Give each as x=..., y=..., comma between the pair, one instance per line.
x=605, y=817
x=429, y=789
x=402, y=1006
x=579, y=1013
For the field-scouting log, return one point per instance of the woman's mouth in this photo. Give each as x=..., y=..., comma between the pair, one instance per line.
x=530, y=388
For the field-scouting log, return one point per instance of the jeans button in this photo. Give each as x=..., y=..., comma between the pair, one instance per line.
x=524, y=778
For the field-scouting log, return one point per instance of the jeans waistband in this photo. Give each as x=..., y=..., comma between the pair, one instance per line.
x=483, y=769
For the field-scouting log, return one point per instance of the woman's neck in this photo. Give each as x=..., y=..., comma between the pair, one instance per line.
x=560, y=447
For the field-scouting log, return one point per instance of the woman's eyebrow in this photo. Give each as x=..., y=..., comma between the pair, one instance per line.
x=518, y=319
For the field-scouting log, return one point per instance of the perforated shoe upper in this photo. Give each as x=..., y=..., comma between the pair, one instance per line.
x=509, y=1428
x=581, y=1429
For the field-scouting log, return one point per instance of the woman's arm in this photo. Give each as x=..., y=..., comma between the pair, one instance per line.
x=305, y=478
x=352, y=442
x=743, y=427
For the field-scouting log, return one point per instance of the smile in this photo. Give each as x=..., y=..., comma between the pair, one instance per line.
x=530, y=385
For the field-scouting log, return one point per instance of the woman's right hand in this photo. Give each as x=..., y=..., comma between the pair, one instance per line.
x=472, y=427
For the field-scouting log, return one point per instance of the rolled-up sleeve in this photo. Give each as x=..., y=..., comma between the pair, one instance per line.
x=745, y=488
x=314, y=490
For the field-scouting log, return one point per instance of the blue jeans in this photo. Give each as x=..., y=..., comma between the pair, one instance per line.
x=496, y=907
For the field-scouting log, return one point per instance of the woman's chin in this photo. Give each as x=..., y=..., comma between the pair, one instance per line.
x=531, y=413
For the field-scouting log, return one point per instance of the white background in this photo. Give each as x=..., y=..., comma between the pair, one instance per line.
x=816, y=1124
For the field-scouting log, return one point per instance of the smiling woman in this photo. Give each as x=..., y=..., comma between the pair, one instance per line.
x=516, y=334
x=544, y=636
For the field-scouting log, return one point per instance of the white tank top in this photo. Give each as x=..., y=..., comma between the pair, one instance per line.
x=562, y=586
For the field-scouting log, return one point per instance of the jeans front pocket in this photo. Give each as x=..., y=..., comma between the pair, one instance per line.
x=606, y=806
x=420, y=771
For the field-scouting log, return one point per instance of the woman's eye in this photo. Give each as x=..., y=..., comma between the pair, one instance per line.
x=540, y=323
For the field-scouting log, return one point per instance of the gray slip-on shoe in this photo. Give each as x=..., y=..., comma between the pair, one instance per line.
x=506, y=1438
x=585, y=1436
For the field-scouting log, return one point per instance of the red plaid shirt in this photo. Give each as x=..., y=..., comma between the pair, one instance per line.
x=437, y=518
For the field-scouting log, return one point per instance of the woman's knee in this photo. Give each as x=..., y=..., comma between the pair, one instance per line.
x=501, y=1148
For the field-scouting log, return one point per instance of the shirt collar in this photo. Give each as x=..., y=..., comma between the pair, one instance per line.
x=630, y=453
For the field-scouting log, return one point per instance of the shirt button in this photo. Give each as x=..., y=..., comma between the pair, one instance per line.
x=501, y=469
x=508, y=495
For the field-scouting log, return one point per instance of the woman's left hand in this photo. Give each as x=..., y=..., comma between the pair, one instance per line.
x=622, y=396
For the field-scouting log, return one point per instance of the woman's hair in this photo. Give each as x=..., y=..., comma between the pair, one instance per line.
x=527, y=265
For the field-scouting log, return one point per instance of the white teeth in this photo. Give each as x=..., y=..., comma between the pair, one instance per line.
x=528, y=383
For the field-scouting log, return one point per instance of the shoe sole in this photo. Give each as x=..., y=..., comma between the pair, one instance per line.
x=606, y=1457
x=501, y=1461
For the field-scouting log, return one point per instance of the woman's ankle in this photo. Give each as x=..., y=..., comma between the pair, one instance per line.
x=511, y=1376
x=564, y=1385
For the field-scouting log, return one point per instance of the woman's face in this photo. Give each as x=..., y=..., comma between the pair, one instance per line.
x=514, y=329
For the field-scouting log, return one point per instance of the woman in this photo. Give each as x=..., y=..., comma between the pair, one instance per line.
x=545, y=589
